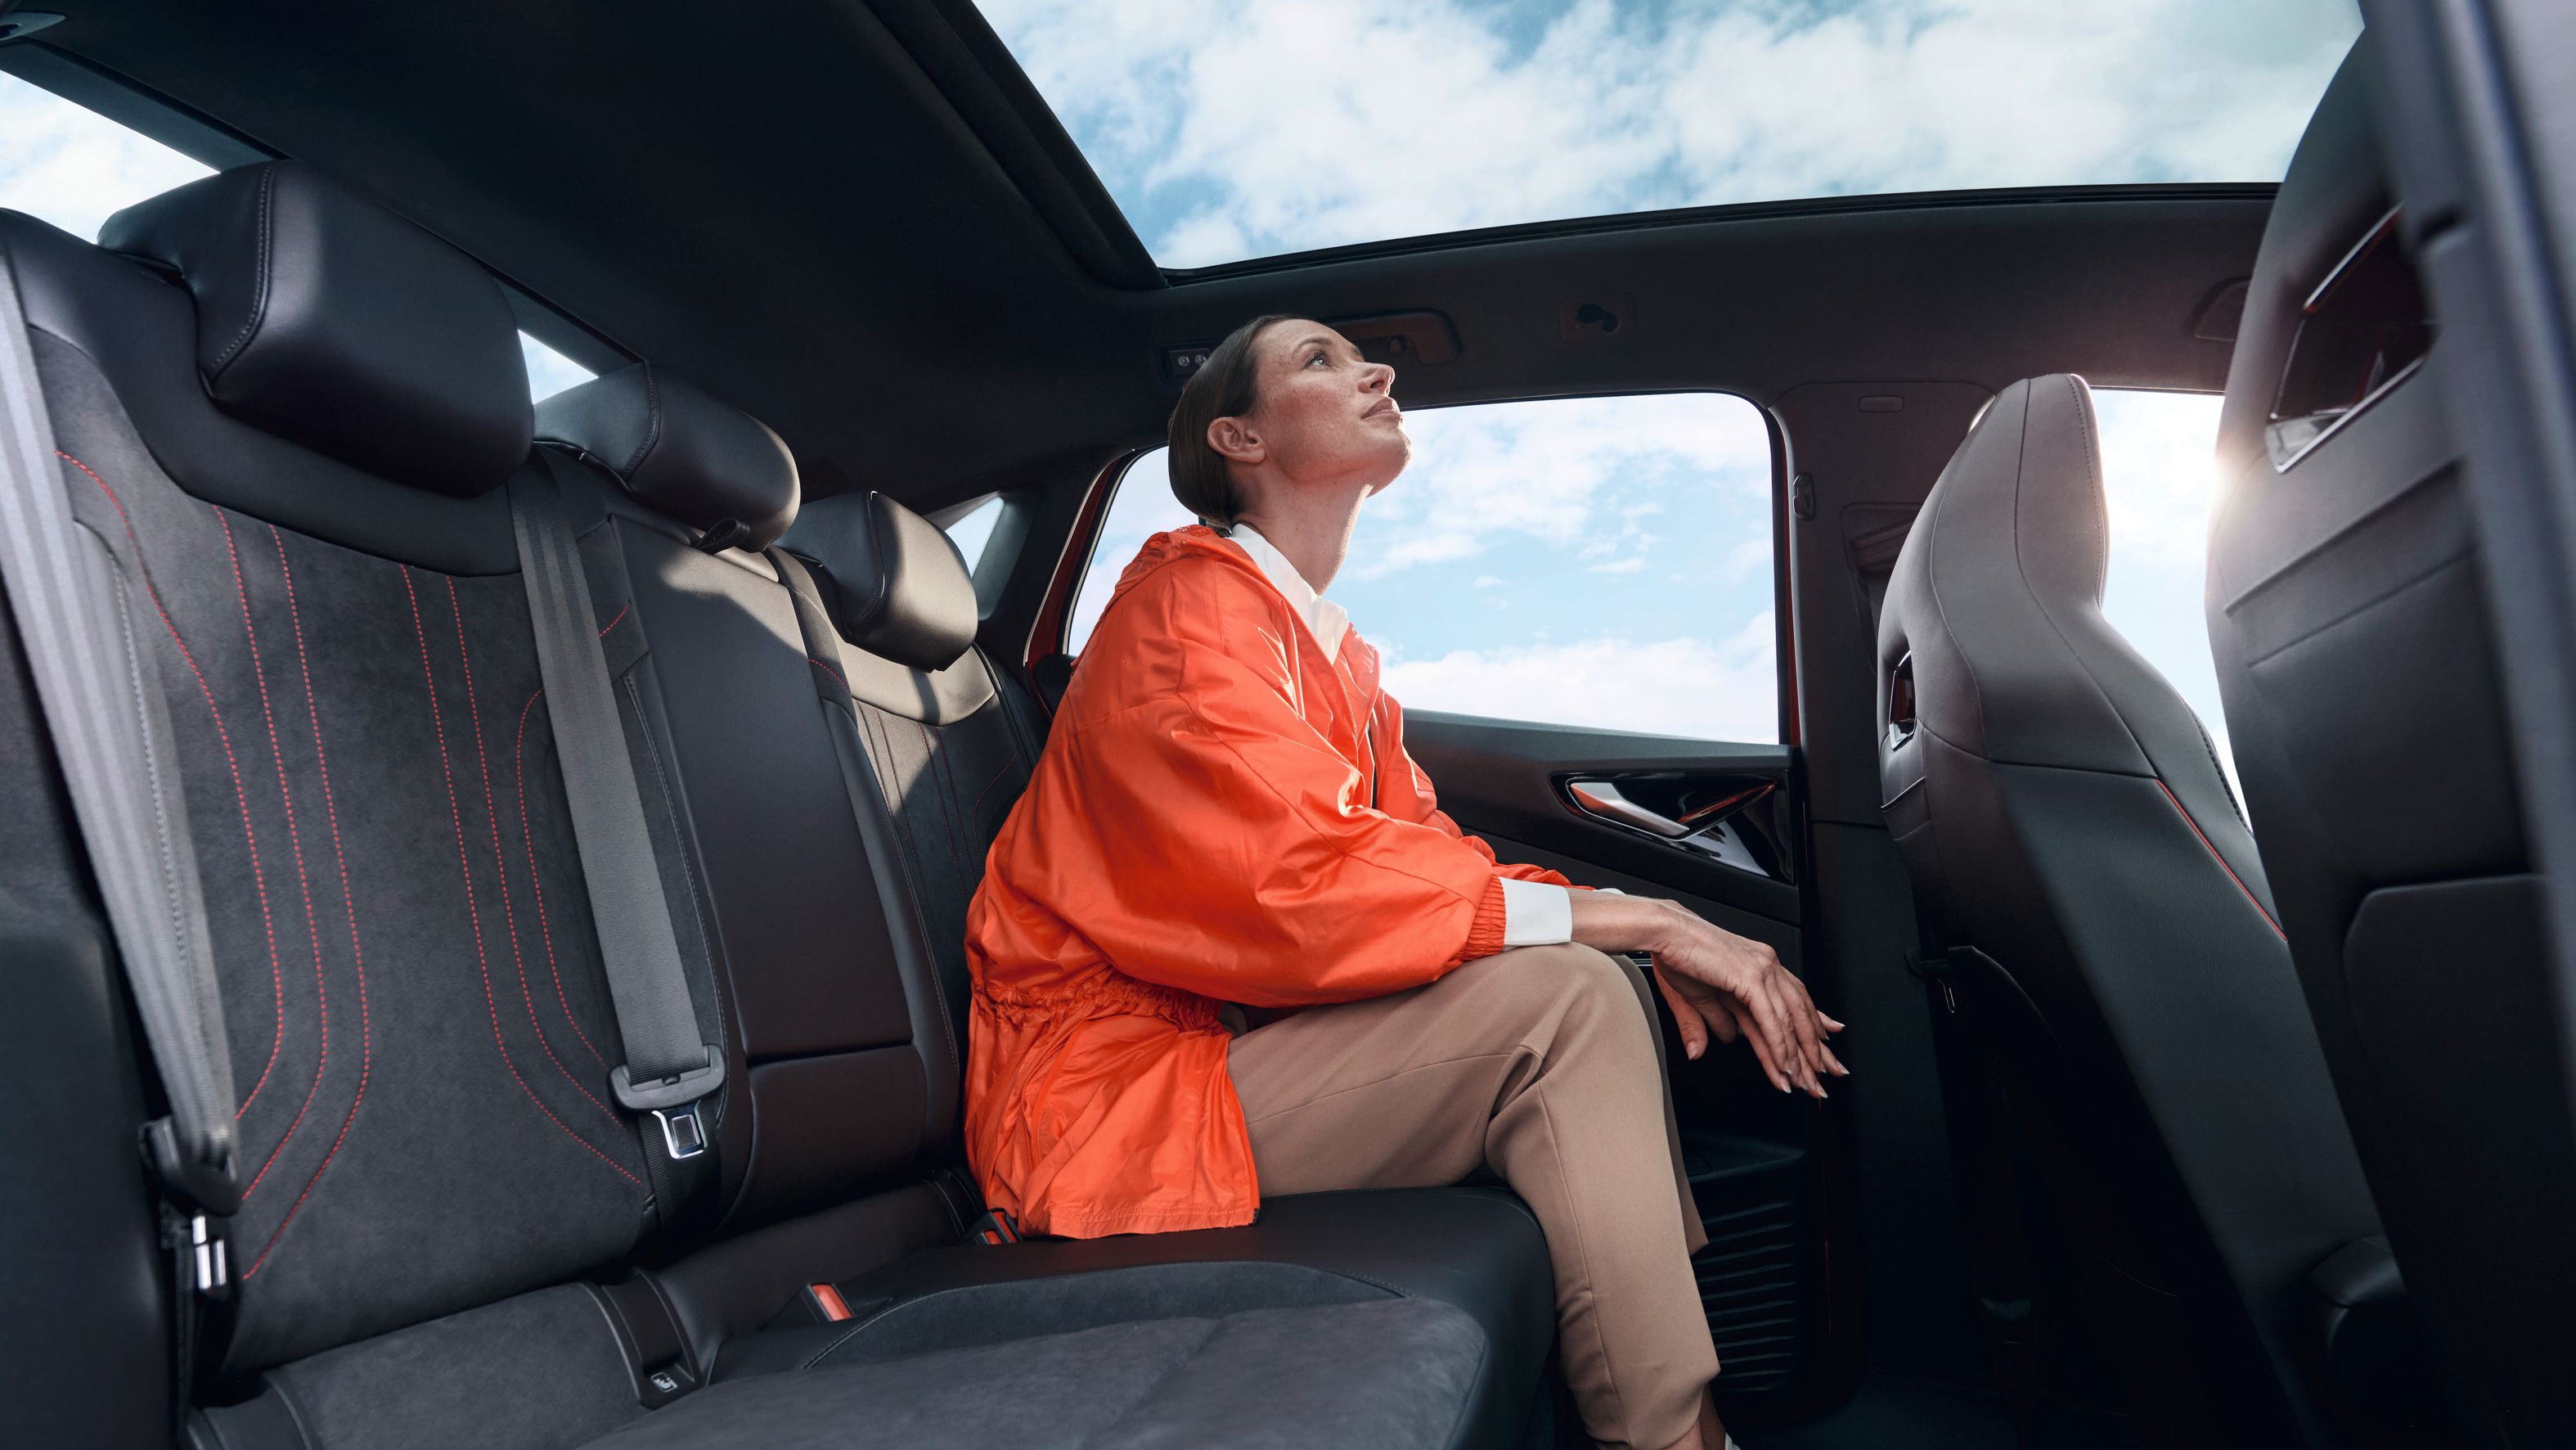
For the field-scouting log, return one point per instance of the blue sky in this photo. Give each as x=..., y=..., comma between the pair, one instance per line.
x=1234, y=128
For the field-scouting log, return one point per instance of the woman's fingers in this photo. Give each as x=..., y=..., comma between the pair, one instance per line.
x=1811, y=1042
x=1778, y=1042
x=1686, y=1016
x=1760, y=1040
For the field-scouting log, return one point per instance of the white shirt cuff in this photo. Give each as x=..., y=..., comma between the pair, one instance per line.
x=1536, y=914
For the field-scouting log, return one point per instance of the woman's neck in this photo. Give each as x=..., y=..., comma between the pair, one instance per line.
x=1312, y=531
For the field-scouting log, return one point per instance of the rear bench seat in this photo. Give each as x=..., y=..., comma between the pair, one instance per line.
x=287, y=415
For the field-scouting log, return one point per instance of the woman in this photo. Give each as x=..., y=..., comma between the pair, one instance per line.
x=1225, y=825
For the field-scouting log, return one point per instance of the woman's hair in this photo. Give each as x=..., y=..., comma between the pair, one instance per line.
x=1223, y=387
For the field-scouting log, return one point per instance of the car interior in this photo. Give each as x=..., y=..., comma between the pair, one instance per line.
x=487, y=865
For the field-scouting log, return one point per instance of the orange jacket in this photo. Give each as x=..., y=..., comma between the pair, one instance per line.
x=1199, y=830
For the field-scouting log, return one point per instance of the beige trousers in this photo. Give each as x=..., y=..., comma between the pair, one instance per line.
x=1545, y=1064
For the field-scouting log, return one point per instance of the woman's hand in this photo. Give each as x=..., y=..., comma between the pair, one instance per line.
x=1718, y=984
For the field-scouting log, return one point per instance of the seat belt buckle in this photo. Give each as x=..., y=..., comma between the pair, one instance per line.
x=683, y=1132
x=207, y=1247
x=200, y=1200
x=674, y=1101
x=996, y=1227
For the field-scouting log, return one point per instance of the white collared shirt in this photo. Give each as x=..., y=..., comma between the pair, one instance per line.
x=1535, y=913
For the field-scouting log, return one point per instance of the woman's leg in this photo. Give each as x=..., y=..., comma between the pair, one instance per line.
x=1543, y=1063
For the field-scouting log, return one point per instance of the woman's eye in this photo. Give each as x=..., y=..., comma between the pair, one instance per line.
x=1318, y=356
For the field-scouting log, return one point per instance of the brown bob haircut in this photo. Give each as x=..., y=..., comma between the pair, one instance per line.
x=1225, y=386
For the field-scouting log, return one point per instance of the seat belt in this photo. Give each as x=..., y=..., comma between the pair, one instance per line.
x=670, y=1067
x=98, y=690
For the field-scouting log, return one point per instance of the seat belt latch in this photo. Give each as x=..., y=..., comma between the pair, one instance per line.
x=201, y=1199
x=683, y=1132
x=995, y=1227
x=674, y=1101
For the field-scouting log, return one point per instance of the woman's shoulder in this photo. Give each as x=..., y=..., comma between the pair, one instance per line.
x=1173, y=604
x=1184, y=583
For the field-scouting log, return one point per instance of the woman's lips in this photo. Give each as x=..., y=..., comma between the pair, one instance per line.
x=1383, y=405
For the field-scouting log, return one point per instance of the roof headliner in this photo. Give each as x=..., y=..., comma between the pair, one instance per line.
x=918, y=282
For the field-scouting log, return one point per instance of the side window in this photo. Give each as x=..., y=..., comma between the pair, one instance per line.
x=550, y=372
x=73, y=167
x=2159, y=472
x=1596, y=562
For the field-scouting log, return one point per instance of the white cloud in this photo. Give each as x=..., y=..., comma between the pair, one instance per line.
x=1633, y=564
x=73, y=168
x=1491, y=581
x=1229, y=129
x=1721, y=690
x=1563, y=471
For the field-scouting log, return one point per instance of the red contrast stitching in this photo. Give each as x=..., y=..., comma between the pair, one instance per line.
x=259, y=881
x=357, y=954
x=500, y=863
x=465, y=872
x=519, y=757
x=295, y=840
x=612, y=624
x=827, y=669
x=2250, y=898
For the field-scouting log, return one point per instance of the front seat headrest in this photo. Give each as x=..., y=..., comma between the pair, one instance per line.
x=1993, y=625
x=892, y=581
x=324, y=318
x=680, y=453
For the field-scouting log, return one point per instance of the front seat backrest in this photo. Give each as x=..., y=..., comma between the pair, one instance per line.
x=2358, y=665
x=2074, y=846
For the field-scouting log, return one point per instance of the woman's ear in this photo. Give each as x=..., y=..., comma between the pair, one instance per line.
x=1235, y=441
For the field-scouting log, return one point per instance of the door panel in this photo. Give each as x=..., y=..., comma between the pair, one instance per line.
x=1720, y=829
x=1509, y=781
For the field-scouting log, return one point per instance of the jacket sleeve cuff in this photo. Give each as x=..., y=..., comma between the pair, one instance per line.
x=1535, y=913
x=1485, y=935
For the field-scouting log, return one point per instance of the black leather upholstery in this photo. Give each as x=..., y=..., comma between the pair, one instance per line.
x=892, y=581
x=2360, y=670
x=679, y=451
x=327, y=319
x=2074, y=845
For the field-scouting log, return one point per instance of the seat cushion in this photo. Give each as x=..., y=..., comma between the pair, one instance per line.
x=1476, y=1250
x=1395, y=1372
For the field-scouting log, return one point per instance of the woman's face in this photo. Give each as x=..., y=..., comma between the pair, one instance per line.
x=1325, y=413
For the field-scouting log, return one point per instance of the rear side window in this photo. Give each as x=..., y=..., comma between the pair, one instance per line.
x=1597, y=562
x=75, y=168
x=2159, y=473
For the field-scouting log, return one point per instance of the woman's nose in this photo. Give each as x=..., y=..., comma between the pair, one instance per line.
x=1379, y=378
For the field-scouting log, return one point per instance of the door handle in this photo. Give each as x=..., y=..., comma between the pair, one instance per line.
x=1601, y=798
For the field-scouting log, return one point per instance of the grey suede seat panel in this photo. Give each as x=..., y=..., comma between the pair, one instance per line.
x=415, y=1006
x=1391, y=1374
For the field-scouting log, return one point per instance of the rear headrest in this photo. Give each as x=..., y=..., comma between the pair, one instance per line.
x=324, y=318
x=680, y=452
x=891, y=580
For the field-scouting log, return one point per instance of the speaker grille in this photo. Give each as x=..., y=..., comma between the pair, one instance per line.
x=1753, y=1285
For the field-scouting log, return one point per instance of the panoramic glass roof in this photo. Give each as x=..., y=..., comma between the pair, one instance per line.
x=1229, y=129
